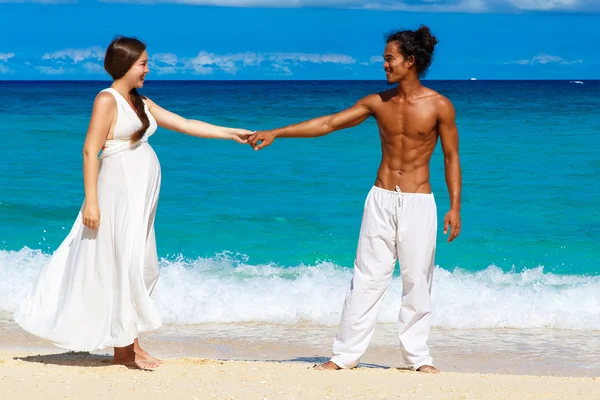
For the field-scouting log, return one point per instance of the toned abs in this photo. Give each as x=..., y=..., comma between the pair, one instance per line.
x=408, y=133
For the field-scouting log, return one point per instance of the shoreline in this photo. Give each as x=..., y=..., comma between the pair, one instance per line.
x=539, y=352
x=267, y=361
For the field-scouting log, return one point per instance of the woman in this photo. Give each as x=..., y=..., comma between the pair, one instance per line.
x=95, y=290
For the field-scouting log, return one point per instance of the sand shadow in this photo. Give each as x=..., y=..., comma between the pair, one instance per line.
x=319, y=360
x=73, y=359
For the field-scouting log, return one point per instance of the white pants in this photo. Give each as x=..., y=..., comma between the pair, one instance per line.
x=400, y=227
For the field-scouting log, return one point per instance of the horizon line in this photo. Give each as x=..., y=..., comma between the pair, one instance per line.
x=306, y=80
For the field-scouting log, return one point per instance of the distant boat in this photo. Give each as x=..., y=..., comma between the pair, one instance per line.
x=473, y=79
x=578, y=82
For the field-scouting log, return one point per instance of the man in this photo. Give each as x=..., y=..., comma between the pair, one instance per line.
x=400, y=214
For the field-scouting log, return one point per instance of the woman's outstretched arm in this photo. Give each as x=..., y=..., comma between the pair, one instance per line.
x=174, y=122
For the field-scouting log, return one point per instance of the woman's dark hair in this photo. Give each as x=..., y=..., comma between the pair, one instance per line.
x=120, y=56
x=419, y=44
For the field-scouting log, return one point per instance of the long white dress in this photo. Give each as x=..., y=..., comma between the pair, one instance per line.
x=95, y=290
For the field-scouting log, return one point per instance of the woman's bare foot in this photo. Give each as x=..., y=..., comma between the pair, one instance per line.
x=328, y=366
x=138, y=350
x=129, y=357
x=428, y=369
x=138, y=363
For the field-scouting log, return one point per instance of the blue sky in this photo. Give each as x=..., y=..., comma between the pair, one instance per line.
x=301, y=39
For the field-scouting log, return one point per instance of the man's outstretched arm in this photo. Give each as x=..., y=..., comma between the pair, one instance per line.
x=318, y=126
x=449, y=138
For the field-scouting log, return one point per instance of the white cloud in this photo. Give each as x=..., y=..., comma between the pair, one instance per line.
x=547, y=5
x=376, y=59
x=313, y=58
x=199, y=69
x=163, y=63
x=164, y=70
x=206, y=63
x=51, y=70
x=545, y=59
x=470, y=6
x=76, y=55
x=93, y=68
x=477, y=6
x=164, y=58
x=6, y=56
x=282, y=70
x=72, y=60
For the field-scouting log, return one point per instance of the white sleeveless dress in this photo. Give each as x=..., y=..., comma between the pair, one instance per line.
x=95, y=290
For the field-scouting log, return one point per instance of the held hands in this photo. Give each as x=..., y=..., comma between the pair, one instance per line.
x=452, y=219
x=265, y=137
x=241, y=135
x=91, y=216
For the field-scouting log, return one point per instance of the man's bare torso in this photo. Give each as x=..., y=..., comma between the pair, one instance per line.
x=408, y=133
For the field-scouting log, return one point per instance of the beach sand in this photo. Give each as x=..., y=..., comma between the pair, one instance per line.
x=258, y=361
x=77, y=376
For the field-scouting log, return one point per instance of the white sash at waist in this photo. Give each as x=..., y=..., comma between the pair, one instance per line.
x=115, y=146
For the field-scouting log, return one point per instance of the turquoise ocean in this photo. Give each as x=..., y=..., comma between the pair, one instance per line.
x=270, y=236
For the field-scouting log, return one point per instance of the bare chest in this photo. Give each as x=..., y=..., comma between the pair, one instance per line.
x=412, y=121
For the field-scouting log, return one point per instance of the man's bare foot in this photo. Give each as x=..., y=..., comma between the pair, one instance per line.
x=135, y=361
x=328, y=366
x=428, y=369
x=139, y=351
